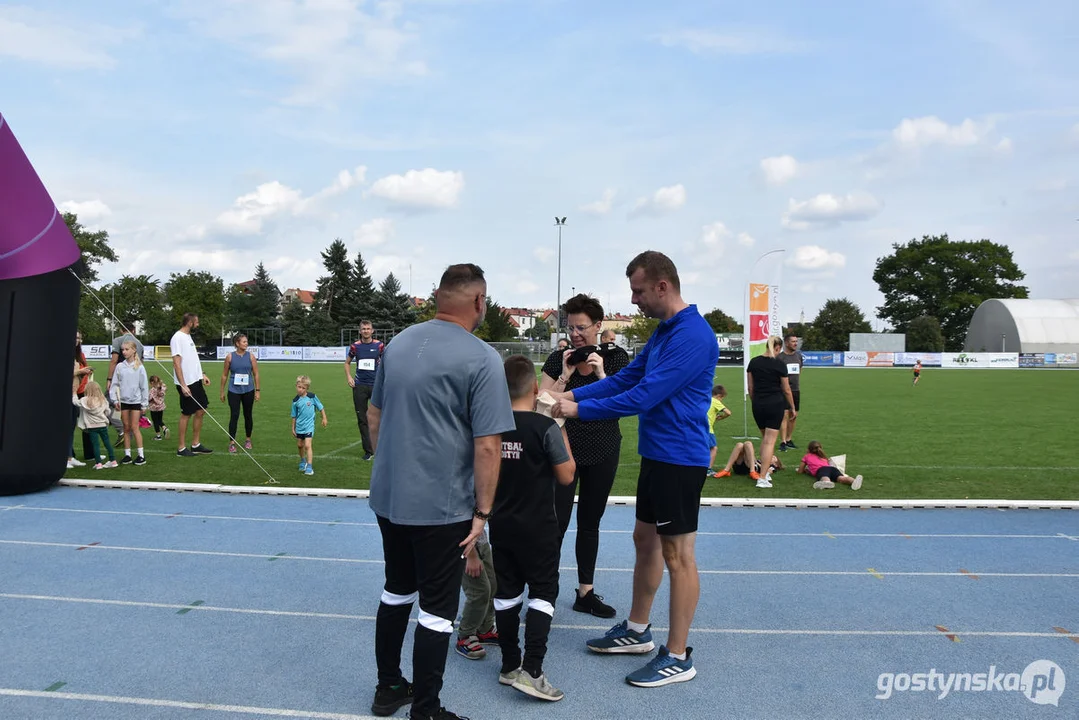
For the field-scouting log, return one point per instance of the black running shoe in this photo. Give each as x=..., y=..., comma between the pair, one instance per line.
x=140, y=460
x=125, y=460
x=186, y=452
x=442, y=714
x=201, y=449
x=593, y=604
x=388, y=698
x=791, y=445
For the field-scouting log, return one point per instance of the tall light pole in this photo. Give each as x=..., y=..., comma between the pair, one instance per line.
x=560, y=222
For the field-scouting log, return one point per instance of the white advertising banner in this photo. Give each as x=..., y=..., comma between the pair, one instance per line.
x=97, y=352
x=872, y=358
x=907, y=359
x=325, y=354
x=980, y=360
x=223, y=350
x=276, y=352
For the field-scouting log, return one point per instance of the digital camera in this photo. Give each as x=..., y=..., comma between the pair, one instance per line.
x=581, y=354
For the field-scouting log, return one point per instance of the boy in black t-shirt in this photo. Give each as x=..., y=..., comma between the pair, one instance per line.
x=524, y=532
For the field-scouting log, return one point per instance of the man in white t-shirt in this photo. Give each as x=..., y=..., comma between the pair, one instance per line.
x=190, y=383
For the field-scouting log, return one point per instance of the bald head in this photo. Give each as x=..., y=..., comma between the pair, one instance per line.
x=462, y=295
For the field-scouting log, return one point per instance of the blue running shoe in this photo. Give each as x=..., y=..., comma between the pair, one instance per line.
x=664, y=670
x=309, y=471
x=620, y=639
x=303, y=465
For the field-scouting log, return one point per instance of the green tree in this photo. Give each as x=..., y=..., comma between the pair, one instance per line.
x=294, y=322
x=392, y=309
x=924, y=335
x=539, y=331
x=721, y=322
x=947, y=280
x=641, y=328
x=254, y=306
x=94, y=247
x=496, y=326
x=333, y=296
x=360, y=299
x=427, y=311
x=140, y=300
x=202, y=293
x=833, y=325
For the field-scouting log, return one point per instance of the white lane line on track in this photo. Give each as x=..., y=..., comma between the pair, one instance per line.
x=241, y=518
x=364, y=561
x=183, y=705
x=331, y=453
x=591, y=628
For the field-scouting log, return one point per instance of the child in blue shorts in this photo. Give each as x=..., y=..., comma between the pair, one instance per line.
x=717, y=411
x=304, y=407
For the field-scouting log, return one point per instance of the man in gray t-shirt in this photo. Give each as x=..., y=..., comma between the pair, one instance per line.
x=116, y=354
x=438, y=408
x=792, y=358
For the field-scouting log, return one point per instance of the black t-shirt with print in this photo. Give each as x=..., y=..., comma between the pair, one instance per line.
x=524, y=501
x=594, y=441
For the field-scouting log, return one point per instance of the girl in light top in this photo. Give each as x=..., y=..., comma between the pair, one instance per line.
x=157, y=407
x=94, y=418
x=130, y=394
x=816, y=464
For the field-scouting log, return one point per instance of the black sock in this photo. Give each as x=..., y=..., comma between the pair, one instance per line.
x=537, y=628
x=391, y=623
x=508, y=623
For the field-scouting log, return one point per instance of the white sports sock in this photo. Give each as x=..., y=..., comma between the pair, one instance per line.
x=677, y=656
x=140, y=452
x=127, y=453
x=636, y=627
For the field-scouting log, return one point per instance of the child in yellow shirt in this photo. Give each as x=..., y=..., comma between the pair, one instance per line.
x=716, y=412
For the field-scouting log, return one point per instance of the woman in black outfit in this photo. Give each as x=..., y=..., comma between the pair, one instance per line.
x=595, y=445
x=770, y=393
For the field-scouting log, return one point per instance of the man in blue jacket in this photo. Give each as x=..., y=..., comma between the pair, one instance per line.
x=669, y=387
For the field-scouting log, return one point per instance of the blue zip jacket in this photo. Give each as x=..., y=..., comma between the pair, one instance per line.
x=668, y=386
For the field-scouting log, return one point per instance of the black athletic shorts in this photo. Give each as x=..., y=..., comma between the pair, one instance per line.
x=797, y=394
x=769, y=412
x=197, y=401
x=740, y=468
x=669, y=496
x=130, y=406
x=828, y=472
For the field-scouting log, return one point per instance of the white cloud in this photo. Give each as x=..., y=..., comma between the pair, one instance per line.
x=745, y=239
x=826, y=209
x=345, y=180
x=714, y=236
x=374, y=232
x=738, y=42
x=666, y=199
x=426, y=188
x=544, y=254
x=328, y=45
x=814, y=257
x=46, y=38
x=248, y=211
x=778, y=170
x=921, y=132
x=601, y=206
x=213, y=260
x=1004, y=147
x=88, y=210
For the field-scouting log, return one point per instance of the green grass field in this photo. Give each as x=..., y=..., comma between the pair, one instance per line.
x=1007, y=434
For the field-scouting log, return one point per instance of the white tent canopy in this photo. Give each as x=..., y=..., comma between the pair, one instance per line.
x=1027, y=326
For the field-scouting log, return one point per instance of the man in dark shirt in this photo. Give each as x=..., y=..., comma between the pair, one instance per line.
x=792, y=358
x=368, y=355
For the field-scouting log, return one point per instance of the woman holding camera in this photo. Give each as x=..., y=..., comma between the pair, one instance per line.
x=595, y=445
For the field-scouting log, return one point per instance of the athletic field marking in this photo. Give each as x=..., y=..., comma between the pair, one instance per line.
x=968, y=573
x=1058, y=468
x=875, y=574
x=1071, y=636
x=201, y=517
x=829, y=535
x=331, y=453
x=589, y=628
x=1068, y=537
x=184, y=705
x=951, y=636
x=363, y=561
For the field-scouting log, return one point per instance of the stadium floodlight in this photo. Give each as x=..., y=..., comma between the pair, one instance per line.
x=560, y=223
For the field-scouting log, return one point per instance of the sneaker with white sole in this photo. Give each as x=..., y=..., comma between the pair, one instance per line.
x=857, y=484
x=75, y=462
x=507, y=678
x=100, y=466
x=764, y=483
x=823, y=485
x=539, y=687
x=620, y=639
x=112, y=464
x=664, y=669
x=468, y=646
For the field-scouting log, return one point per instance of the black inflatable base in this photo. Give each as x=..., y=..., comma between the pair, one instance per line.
x=38, y=318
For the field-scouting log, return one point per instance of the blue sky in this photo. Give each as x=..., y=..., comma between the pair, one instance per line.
x=214, y=134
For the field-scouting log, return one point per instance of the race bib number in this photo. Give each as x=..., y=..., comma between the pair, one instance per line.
x=241, y=379
x=367, y=364
x=794, y=369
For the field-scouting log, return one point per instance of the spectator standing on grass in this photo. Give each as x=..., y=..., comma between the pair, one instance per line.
x=367, y=352
x=130, y=395
x=669, y=387
x=794, y=361
x=304, y=408
x=240, y=377
x=116, y=356
x=82, y=372
x=770, y=395
x=438, y=409
x=93, y=417
x=191, y=384
x=596, y=445
x=716, y=411
x=157, y=407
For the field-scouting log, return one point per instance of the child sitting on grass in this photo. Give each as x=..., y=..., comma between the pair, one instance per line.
x=816, y=464
x=304, y=407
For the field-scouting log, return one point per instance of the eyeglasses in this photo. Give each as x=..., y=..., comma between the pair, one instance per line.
x=579, y=329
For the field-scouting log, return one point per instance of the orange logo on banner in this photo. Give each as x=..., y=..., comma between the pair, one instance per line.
x=758, y=298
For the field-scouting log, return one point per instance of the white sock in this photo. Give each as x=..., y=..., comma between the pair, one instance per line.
x=127, y=452
x=140, y=452
x=677, y=656
x=636, y=627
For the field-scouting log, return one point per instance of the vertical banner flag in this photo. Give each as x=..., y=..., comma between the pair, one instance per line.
x=762, y=306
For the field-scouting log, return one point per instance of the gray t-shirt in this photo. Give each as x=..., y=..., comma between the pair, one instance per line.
x=794, y=363
x=438, y=388
x=117, y=342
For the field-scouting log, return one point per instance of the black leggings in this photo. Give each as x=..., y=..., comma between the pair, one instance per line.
x=595, y=483
x=158, y=416
x=247, y=400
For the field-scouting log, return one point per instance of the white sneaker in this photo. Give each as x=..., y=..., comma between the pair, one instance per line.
x=112, y=464
x=72, y=462
x=764, y=483
x=857, y=484
x=100, y=466
x=823, y=485
x=69, y=465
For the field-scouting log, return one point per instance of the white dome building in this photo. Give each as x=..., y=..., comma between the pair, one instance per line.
x=1024, y=326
